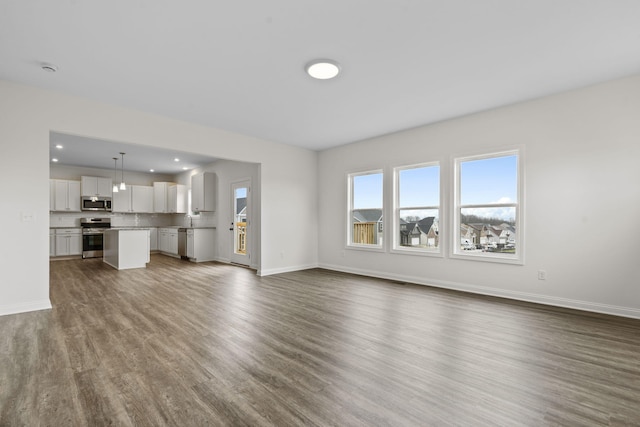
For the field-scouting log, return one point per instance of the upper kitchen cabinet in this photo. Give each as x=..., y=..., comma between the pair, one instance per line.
x=203, y=192
x=177, y=199
x=161, y=196
x=169, y=197
x=141, y=198
x=122, y=200
x=96, y=186
x=66, y=195
x=135, y=199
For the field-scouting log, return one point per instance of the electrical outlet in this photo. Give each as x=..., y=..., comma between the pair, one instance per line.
x=542, y=275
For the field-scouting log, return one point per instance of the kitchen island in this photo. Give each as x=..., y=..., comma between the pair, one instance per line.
x=126, y=248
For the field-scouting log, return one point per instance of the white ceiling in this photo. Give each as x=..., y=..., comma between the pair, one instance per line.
x=97, y=153
x=239, y=65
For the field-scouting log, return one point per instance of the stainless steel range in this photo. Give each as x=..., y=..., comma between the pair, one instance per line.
x=92, y=236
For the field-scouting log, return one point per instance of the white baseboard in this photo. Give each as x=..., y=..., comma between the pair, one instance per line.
x=484, y=290
x=271, y=271
x=25, y=307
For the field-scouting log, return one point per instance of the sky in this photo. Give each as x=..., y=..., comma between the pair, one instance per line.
x=489, y=181
x=484, y=181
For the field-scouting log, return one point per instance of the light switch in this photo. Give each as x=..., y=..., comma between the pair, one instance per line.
x=27, y=216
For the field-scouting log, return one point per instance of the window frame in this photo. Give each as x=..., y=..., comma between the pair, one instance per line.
x=380, y=247
x=458, y=253
x=395, y=244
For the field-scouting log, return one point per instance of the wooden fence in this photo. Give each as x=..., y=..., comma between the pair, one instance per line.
x=365, y=233
x=241, y=244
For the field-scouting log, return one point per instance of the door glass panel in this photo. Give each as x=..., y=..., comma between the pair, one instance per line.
x=240, y=221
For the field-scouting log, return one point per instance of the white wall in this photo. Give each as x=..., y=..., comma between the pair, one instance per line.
x=582, y=199
x=28, y=114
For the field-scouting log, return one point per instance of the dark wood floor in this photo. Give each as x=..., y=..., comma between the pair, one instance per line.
x=213, y=344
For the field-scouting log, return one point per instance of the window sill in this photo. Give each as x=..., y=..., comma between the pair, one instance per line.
x=485, y=257
x=366, y=248
x=417, y=252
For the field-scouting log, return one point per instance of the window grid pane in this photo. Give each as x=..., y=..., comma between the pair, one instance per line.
x=417, y=213
x=366, y=209
x=488, y=205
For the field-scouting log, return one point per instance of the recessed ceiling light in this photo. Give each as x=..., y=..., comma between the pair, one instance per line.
x=59, y=147
x=50, y=68
x=323, y=69
x=151, y=170
x=184, y=168
x=176, y=159
x=54, y=160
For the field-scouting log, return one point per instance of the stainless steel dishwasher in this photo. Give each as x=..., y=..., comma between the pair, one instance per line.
x=182, y=242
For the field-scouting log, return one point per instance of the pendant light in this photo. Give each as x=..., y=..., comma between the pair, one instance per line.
x=123, y=186
x=115, y=174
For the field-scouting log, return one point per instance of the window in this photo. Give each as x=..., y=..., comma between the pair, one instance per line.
x=487, y=215
x=365, y=210
x=190, y=212
x=417, y=212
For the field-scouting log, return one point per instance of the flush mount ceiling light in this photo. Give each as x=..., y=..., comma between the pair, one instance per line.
x=54, y=160
x=59, y=147
x=323, y=69
x=50, y=68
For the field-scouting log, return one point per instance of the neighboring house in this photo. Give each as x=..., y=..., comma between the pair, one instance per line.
x=468, y=235
x=487, y=235
x=410, y=233
x=241, y=209
x=508, y=234
x=367, y=226
x=422, y=233
x=483, y=234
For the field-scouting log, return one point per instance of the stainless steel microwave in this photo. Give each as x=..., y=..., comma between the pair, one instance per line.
x=93, y=203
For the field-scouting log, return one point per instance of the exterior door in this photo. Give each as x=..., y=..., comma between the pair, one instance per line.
x=241, y=222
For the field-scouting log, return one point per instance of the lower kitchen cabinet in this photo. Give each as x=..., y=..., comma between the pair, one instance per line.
x=201, y=244
x=168, y=240
x=52, y=242
x=153, y=239
x=68, y=241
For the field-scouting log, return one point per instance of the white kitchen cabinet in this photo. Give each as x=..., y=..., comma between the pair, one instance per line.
x=153, y=239
x=177, y=198
x=135, y=199
x=68, y=241
x=52, y=242
x=168, y=240
x=121, y=201
x=141, y=198
x=66, y=195
x=201, y=244
x=161, y=196
x=203, y=192
x=96, y=186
